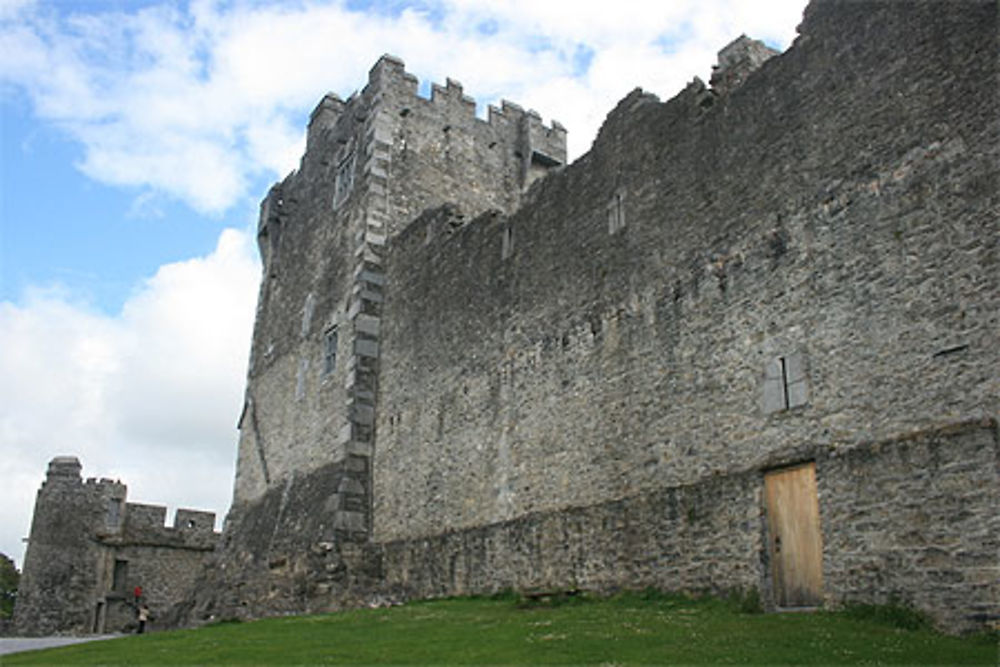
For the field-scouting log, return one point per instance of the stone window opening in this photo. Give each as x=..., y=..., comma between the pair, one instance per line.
x=119, y=579
x=616, y=213
x=507, y=243
x=785, y=383
x=344, y=181
x=114, y=513
x=330, y=351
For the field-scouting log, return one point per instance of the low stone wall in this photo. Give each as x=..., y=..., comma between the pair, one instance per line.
x=911, y=519
x=916, y=520
x=668, y=539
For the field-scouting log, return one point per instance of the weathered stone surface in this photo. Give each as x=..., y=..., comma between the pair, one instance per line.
x=294, y=550
x=580, y=375
x=915, y=519
x=590, y=366
x=737, y=61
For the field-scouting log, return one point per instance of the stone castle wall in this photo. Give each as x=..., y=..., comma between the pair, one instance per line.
x=89, y=549
x=908, y=520
x=372, y=163
x=593, y=364
x=914, y=519
x=463, y=379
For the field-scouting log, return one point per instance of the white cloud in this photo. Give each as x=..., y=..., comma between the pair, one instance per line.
x=11, y=8
x=197, y=103
x=149, y=396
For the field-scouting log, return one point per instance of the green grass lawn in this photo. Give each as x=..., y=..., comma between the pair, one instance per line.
x=628, y=629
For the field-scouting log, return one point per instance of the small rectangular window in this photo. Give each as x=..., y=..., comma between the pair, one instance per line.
x=119, y=581
x=344, y=180
x=114, y=513
x=330, y=351
x=796, y=387
x=785, y=383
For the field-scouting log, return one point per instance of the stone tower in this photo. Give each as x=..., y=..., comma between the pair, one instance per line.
x=372, y=164
x=60, y=577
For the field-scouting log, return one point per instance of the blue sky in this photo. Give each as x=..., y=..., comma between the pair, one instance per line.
x=102, y=239
x=137, y=139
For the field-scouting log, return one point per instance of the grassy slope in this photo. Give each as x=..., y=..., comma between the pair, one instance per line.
x=627, y=629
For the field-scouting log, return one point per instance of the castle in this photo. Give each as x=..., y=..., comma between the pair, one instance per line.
x=93, y=558
x=750, y=340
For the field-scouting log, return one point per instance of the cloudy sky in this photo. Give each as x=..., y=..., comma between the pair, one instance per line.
x=137, y=139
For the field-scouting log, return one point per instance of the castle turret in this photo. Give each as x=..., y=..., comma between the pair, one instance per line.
x=64, y=468
x=90, y=552
x=60, y=567
x=373, y=163
x=324, y=117
x=737, y=60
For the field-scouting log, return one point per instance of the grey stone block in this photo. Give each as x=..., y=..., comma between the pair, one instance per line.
x=365, y=348
x=362, y=414
x=371, y=277
x=350, y=485
x=366, y=324
x=349, y=521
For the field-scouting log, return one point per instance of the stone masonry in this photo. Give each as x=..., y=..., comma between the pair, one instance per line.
x=749, y=340
x=89, y=549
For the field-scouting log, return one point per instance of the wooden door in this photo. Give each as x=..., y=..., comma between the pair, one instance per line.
x=796, y=543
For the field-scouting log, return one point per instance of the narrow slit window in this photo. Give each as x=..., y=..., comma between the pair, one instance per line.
x=330, y=351
x=507, y=244
x=344, y=180
x=616, y=213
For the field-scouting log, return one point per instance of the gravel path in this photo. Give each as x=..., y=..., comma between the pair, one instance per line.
x=17, y=644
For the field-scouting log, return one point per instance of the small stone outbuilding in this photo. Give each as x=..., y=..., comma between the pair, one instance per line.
x=93, y=558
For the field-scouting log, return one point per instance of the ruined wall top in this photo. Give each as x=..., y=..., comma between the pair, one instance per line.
x=100, y=504
x=736, y=61
x=64, y=467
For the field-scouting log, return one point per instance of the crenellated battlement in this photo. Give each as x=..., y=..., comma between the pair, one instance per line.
x=451, y=94
x=373, y=163
x=509, y=149
x=90, y=550
x=389, y=73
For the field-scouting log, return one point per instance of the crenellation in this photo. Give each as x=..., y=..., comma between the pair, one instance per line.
x=139, y=516
x=195, y=521
x=93, y=557
x=323, y=120
x=451, y=96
